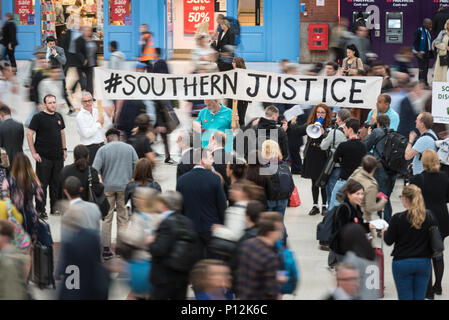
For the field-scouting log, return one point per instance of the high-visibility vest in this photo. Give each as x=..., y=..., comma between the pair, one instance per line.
x=148, y=53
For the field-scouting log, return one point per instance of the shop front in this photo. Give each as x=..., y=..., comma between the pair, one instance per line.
x=117, y=20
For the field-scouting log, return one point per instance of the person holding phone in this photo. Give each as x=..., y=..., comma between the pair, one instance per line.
x=352, y=62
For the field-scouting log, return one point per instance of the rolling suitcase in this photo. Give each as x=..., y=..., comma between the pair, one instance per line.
x=42, y=265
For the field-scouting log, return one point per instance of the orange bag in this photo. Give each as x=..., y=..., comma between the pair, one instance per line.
x=294, y=201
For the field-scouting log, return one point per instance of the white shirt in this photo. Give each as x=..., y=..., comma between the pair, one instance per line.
x=89, y=129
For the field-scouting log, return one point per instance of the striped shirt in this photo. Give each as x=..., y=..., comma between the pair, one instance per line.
x=256, y=274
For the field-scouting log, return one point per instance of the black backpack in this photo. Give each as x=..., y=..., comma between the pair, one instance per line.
x=325, y=230
x=393, y=157
x=281, y=184
x=184, y=252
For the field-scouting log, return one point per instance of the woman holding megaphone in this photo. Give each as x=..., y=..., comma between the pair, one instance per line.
x=314, y=158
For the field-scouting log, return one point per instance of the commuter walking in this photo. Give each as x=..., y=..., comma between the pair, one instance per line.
x=49, y=150
x=349, y=154
x=115, y=163
x=118, y=58
x=9, y=40
x=257, y=257
x=409, y=232
x=23, y=186
x=80, y=168
x=146, y=43
x=89, y=125
x=185, y=144
x=204, y=198
x=331, y=142
x=86, y=53
x=348, y=283
x=211, y=280
x=140, y=140
x=172, y=260
x=435, y=200
x=11, y=133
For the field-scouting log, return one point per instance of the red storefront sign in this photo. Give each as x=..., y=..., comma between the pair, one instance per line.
x=196, y=12
x=119, y=9
x=24, y=8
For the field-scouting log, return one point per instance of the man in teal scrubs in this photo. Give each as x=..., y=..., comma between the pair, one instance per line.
x=215, y=117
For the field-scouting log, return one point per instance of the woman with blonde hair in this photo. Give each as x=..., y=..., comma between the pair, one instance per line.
x=441, y=43
x=314, y=157
x=436, y=200
x=409, y=231
x=278, y=192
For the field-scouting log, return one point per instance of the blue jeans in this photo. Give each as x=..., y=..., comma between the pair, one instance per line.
x=331, y=184
x=386, y=184
x=340, y=183
x=279, y=206
x=411, y=277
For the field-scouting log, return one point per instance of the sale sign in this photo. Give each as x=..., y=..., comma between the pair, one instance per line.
x=23, y=9
x=197, y=12
x=119, y=9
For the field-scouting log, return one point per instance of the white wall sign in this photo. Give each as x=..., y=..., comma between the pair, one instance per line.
x=440, y=102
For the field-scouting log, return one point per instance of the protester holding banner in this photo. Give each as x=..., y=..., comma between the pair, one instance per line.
x=314, y=157
x=215, y=117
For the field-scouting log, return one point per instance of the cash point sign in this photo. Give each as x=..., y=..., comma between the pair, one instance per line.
x=196, y=12
x=440, y=102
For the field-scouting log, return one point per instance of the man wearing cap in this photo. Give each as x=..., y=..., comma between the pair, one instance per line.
x=215, y=117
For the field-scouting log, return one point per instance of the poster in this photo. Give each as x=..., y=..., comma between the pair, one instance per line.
x=119, y=10
x=23, y=8
x=197, y=12
x=239, y=84
x=440, y=102
x=320, y=3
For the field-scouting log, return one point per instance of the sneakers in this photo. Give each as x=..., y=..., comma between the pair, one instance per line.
x=71, y=112
x=437, y=290
x=43, y=215
x=314, y=211
x=107, y=253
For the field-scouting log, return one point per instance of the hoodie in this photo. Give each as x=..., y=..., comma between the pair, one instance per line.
x=265, y=125
x=116, y=61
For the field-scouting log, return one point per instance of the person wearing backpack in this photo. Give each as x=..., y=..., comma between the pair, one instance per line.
x=280, y=183
x=375, y=141
x=383, y=108
x=173, y=249
x=426, y=141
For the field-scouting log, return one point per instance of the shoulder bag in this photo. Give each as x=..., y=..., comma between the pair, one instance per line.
x=101, y=201
x=436, y=241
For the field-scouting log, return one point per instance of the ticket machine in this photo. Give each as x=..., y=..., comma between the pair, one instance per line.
x=394, y=29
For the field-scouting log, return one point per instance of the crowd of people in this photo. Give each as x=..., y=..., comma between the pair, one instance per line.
x=222, y=230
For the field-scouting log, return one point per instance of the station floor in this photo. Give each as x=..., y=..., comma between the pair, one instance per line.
x=315, y=279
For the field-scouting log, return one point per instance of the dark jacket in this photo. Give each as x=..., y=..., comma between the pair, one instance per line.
x=160, y=249
x=60, y=59
x=435, y=199
x=421, y=42
x=36, y=77
x=131, y=188
x=72, y=170
x=65, y=44
x=11, y=137
x=130, y=110
x=160, y=66
x=220, y=156
x=185, y=164
x=83, y=250
x=204, y=198
x=266, y=125
x=228, y=40
x=439, y=20
x=9, y=33
x=407, y=117
x=81, y=52
x=346, y=213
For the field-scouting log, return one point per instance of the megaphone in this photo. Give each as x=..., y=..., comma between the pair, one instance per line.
x=314, y=130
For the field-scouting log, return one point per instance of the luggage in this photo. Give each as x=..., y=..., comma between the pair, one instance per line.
x=380, y=261
x=42, y=265
x=294, y=201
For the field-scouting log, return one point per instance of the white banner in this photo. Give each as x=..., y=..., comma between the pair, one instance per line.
x=440, y=102
x=239, y=84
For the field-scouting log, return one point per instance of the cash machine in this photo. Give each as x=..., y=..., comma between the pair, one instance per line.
x=394, y=29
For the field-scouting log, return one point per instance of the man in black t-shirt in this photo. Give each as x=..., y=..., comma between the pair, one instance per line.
x=49, y=150
x=349, y=154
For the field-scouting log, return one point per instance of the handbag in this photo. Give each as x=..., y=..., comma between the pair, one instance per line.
x=329, y=166
x=169, y=115
x=294, y=201
x=436, y=241
x=21, y=238
x=444, y=60
x=101, y=201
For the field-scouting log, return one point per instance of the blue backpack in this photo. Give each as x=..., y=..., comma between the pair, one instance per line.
x=289, y=264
